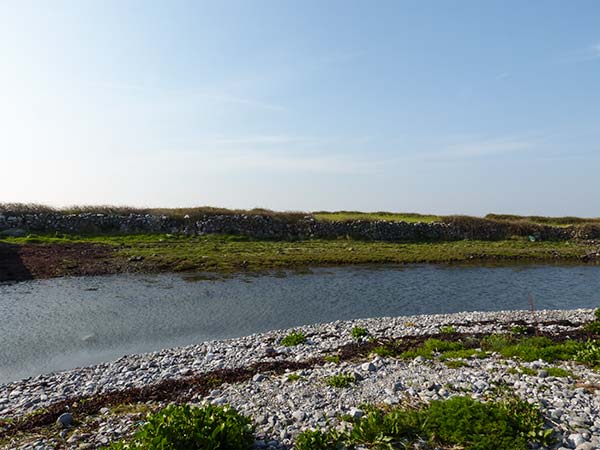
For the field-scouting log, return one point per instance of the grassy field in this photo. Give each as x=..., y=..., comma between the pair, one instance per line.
x=218, y=253
x=382, y=215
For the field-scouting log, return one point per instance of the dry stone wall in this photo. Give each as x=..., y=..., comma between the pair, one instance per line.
x=274, y=227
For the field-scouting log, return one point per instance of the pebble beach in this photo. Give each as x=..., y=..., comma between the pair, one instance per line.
x=282, y=406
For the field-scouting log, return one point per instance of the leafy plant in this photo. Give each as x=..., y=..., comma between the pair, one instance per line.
x=359, y=332
x=448, y=329
x=294, y=338
x=455, y=364
x=183, y=427
x=340, y=380
x=592, y=327
x=319, y=440
x=294, y=377
x=560, y=372
x=333, y=359
x=460, y=422
x=519, y=329
x=589, y=353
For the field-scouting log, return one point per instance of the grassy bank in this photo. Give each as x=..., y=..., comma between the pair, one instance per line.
x=218, y=253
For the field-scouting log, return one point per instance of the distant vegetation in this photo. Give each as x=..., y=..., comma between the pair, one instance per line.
x=196, y=212
x=381, y=215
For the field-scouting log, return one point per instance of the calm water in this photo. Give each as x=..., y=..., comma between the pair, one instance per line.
x=48, y=325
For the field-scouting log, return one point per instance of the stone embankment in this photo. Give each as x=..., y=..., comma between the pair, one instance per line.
x=265, y=226
x=282, y=406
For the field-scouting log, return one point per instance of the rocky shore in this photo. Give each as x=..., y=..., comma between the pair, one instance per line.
x=282, y=405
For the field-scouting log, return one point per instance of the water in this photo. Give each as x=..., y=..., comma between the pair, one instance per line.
x=48, y=325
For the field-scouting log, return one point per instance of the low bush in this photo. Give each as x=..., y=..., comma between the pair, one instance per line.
x=359, y=332
x=340, y=381
x=589, y=353
x=460, y=422
x=448, y=329
x=335, y=359
x=294, y=338
x=192, y=428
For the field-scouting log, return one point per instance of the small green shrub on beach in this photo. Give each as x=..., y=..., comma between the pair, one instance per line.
x=340, y=381
x=294, y=338
x=335, y=359
x=448, y=329
x=592, y=327
x=192, y=428
x=359, y=332
x=589, y=353
x=459, y=422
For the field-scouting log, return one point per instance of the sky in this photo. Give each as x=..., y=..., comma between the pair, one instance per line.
x=444, y=107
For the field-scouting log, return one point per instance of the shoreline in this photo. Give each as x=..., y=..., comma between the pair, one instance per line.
x=24, y=259
x=182, y=365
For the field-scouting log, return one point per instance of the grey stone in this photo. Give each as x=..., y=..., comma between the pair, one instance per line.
x=65, y=420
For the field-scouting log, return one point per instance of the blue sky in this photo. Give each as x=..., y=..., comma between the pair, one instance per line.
x=442, y=106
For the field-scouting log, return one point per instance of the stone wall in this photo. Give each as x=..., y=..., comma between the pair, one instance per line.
x=302, y=227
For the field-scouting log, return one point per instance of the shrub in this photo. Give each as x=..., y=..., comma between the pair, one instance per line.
x=359, y=332
x=519, y=329
x=589, y=353
x=191, y=428
x=459, y=422
x=319, y=440
x=333, y=359
x=340, y=381
x=294, y=338
x=597, y=313
x=294, y=377
x=560, y=372
x=592, y=327
x=448, y=329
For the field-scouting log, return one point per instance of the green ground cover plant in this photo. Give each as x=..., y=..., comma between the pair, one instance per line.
x=448, y=329
x=560, y=372
x=340, y=380
x=359, y=332
x=459, y=422
x=192, y=428
x=293, y=339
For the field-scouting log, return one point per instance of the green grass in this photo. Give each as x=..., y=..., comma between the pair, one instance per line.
x=344, y=216
x=531, y=348
x=227, y=254
x=543, y=220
